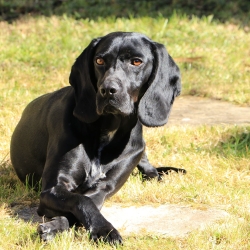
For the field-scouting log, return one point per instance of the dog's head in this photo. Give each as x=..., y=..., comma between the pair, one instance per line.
x=124, y=73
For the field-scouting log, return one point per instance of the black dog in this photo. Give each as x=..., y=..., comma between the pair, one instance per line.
x=85, y=140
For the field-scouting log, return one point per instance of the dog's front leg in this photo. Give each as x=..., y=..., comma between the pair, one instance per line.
x=115, y=177
x=84, y=210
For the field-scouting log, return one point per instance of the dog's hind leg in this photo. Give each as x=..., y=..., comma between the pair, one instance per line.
x=148, y=171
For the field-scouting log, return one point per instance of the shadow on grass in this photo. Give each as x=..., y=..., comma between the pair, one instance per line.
x=8, y=180
x=20, y=199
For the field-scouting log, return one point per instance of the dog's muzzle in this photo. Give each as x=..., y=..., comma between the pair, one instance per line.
x=111, y=99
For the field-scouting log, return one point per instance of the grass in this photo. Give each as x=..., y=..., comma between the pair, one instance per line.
x=36, y=56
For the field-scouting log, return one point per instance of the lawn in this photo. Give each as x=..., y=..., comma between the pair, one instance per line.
x=36, y=56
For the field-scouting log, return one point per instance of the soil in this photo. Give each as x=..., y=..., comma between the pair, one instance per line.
x=169, y=220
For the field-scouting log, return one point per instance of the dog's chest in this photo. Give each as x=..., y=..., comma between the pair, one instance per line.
x=97, y=170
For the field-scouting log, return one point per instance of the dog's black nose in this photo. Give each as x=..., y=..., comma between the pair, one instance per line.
x=108, y=91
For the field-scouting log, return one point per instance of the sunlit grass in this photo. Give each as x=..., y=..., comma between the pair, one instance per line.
x=36, y=56
x=215, y=178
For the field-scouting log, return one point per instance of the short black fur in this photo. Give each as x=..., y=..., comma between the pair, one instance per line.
x=84, y=140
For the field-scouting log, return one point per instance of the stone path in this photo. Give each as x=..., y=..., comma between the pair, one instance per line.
x=171, y=220
x=189, y=110
x=165, y=220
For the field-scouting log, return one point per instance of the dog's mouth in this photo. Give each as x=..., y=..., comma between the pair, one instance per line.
x=110, y=106
x=109, y=109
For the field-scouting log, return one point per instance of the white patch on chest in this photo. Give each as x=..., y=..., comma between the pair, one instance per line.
x=97, y=169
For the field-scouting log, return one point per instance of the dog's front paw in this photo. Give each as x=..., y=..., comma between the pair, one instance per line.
x=48, y=230
x=106, y=233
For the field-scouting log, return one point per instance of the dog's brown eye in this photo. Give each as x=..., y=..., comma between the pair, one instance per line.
x=136, y=62
x=100, y=61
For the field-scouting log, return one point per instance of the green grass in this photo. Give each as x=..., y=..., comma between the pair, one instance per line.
x=35, y=58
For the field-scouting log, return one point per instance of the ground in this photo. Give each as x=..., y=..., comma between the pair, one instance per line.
x=171, y=220
x=189, y=110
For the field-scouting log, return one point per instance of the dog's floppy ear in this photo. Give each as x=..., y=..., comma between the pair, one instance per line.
x=82, y=80
x=164, y=86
